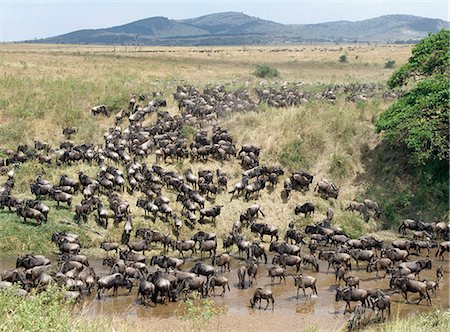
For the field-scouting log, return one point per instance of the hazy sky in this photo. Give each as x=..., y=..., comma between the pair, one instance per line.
x=29, y=19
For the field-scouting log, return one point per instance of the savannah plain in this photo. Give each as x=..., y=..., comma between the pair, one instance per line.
x=46, y=87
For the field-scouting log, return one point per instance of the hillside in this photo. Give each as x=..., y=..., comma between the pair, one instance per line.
x=332, y=140
x=231, y=28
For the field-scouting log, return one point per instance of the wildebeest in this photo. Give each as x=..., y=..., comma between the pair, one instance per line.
x=29, y=261
x=166, y=262
x=307, y=208
x=295, y=235
x=361, y=255
x=27, y=212
x=352, y=295
x=380, y=264
x=443, y=247
x=258, y=251
x=276, y=271
x=262, y=294
x=146, y=290
x=382, y=303
x=412, y=286
x=360, y=207
x=114, y=281
x=414, y=225
x=184, y=246
x=285, y=248
x=250, y=213
x=41, y=207
x=208, y=245
x=327, y=188
x=287, y=260
x=303, y=282
x=265, y=229
x=211, y=212
x=203, y=269
x=219, y=281
x=222, y=260
x=311, y=260
x=100, y=109
x=241, y=272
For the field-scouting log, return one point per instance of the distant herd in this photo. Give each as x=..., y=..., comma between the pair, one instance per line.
x=124, y=179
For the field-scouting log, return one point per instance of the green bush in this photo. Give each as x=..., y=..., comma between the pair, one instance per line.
x=115, y=103
x=265, y=71
x=200, y=311
x=389, y=64
x=352, y=224
x=343, y=58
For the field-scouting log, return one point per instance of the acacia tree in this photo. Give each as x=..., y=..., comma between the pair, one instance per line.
x=419, y=121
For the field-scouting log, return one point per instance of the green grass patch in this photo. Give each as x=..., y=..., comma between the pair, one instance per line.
x=293, y=155
x=435, y=320
x=47, y=311
x=189, y=132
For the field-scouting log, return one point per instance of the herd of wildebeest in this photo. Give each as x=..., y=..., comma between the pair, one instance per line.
x=124, y=178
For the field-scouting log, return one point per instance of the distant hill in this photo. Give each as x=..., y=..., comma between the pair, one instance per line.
x=232, y=28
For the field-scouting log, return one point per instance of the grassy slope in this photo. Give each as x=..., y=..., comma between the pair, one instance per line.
x=46, y=88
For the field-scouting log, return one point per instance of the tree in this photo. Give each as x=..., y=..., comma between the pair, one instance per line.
x=418, y=121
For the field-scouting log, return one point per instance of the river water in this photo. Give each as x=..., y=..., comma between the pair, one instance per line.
x=289, y=314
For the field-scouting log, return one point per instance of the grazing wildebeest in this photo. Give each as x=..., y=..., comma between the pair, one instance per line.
x=351, y=281
x=251, y=213
x=307, y=208
x=261, y=294
x=327, y=188
x=361, y=208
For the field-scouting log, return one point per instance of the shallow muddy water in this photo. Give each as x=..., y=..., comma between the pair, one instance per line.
x=289, y=314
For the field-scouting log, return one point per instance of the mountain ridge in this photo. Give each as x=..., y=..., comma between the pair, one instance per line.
x=233, y=28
